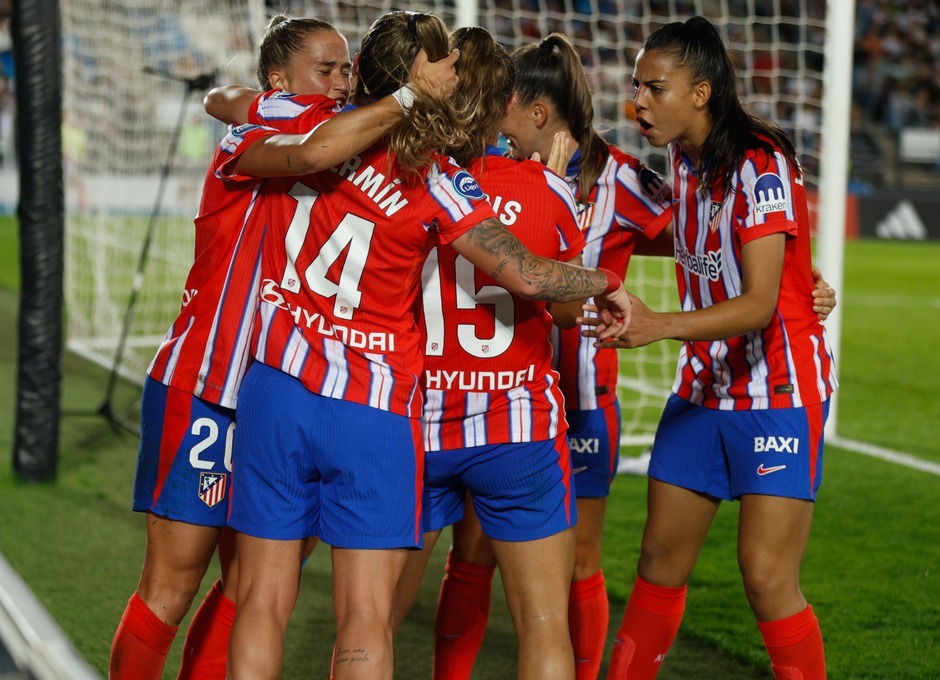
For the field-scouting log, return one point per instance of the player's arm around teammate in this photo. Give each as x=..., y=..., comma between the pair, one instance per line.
x=333, y=141
x=187, y=413
x=183, y=471
x=330, y=364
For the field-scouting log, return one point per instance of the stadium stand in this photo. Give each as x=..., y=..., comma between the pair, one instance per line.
x=896, y=94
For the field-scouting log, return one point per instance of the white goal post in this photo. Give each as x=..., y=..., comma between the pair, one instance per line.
x=122, y=100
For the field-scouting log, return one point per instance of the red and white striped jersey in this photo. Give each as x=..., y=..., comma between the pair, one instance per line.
x=291, y=113
x=341, y=271
x=206, y=350
x=488, y=374
x=787, y=364
x=629, y=201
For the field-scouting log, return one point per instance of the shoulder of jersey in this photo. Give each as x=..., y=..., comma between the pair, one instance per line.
x=495, y=161
x=279, y=104
x=467, y=186
x=622, y=156
x=302, y=99
x=763, y=154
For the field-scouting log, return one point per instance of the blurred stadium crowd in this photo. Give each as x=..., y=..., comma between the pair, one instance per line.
x=896, y=74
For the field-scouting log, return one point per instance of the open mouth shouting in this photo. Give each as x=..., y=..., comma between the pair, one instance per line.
x=646, y=128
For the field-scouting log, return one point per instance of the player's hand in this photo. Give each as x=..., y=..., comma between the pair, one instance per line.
x=824, y=296
x=614, y=310
x=592, y=325
x=436, y=78
x=645, y=326
x=560, y=154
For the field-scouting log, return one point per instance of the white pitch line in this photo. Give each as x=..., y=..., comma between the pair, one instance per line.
x=888, y=455
x=885, y=454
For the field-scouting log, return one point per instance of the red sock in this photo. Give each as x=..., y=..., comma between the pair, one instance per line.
x=650, y=623
x=462, y=612
x=795, y=646
x=140, y=644
x=206, y=649
x=588, y=617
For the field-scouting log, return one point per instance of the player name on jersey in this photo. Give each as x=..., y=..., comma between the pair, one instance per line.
x=373, y=184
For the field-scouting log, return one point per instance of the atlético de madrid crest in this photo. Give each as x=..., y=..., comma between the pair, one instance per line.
x=713, y=212
x=212, y=487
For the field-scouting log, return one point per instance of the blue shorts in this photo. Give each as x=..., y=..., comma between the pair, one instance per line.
x=726, y=454
x=521, y=492
x=309, y=465
x=594, y=438
x=184, y=459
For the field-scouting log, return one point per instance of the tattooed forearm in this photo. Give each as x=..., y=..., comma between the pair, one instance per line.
x=566, y=282
x=494, y=238
x=544, y=279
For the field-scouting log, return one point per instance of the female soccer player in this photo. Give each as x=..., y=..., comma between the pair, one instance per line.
x=184, y=461
x=745, y=420
x=329, y=436
x=619, y=199
x=624, y=208
x=494, y=422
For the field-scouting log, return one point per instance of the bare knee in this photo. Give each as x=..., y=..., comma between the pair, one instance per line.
x=538, y=626
x=587, y=556
x=772, y=587
x=276, y=597
x=664, y=565
x=170, y=601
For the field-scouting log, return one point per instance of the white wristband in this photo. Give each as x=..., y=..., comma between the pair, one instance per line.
x=405, y=97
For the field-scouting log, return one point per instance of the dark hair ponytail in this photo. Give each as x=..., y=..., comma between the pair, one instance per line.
x=552, y=69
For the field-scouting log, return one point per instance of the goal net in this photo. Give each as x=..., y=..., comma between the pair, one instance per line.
x=123, y=97
x=125, y=100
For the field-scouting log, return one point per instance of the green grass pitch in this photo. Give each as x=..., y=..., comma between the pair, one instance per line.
x=872, y=568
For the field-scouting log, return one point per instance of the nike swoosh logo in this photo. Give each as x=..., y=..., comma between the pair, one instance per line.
x=761, y=470
x=577, y=470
